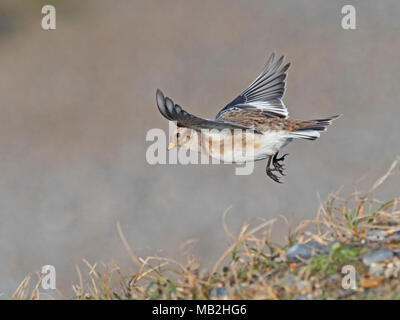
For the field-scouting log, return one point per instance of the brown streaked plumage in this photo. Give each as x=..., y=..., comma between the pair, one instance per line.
x=258, y=112
x=257, y=119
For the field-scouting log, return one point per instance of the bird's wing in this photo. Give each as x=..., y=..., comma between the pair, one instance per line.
x=265, y=93
x=174, y=112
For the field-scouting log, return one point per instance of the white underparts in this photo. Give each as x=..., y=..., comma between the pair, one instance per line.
x=241, y=147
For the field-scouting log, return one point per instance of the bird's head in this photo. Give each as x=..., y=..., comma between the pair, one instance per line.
x=180, y=138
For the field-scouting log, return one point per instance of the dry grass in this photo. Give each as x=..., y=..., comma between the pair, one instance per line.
x=255, y=268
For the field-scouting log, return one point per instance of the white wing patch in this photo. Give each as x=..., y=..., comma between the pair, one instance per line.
x=275, y=107
x=265, y=92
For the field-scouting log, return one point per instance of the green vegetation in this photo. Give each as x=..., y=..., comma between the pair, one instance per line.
x=329, y=264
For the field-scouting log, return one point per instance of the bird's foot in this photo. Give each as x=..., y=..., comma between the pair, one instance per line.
x=273, y=176
x=278, y=167
x=275, y=162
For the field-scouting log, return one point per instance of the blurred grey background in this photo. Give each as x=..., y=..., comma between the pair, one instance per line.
x=76, y=104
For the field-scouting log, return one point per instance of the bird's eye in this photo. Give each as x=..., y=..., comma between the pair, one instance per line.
x=178, y=135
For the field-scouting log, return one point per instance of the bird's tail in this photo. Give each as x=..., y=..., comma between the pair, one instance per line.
x=310, y=129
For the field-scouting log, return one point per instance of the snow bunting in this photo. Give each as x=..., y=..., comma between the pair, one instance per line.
x=258, y=112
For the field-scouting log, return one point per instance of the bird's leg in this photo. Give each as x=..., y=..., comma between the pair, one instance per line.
x=275, y=161
x=268, y=170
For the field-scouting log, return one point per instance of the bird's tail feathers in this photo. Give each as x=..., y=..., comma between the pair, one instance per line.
x=310, y=129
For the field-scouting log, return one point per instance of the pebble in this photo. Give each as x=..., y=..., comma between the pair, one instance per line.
x=317, y=247
x=379, y=234
x=375, y=234
x=304, y=251
x=377, y=256
x=298, y=252
x=376, y=269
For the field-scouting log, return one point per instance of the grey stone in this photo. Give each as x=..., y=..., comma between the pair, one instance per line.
x=375, y=234
x=304, y=251
x=377, y=256
x=298, y=252
x=376, y=269
x=317, y=247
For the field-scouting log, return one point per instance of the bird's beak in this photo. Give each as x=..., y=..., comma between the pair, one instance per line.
x=171, y=145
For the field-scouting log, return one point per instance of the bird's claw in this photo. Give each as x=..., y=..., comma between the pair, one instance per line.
x=273, y=176
x=275, y=158
x=275, y=162
x=280, y=169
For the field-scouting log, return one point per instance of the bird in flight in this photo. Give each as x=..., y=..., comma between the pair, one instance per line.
x=257, y=113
